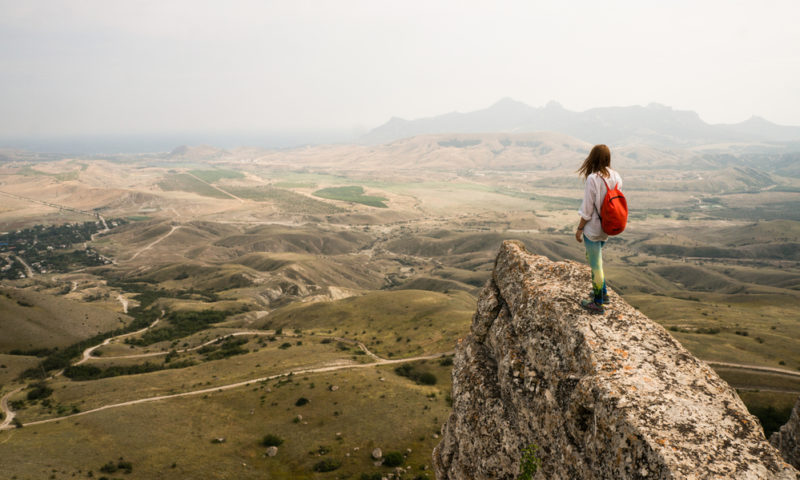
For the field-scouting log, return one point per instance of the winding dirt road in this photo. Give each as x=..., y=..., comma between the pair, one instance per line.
x=156, y=354
x=87, y=354
x=9, y=414
x=756, y=368
x=328, y=367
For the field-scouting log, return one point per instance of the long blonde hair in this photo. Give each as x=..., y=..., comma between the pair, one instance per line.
x=598, y=161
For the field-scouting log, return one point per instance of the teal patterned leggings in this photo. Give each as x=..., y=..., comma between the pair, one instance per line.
x=594, y=255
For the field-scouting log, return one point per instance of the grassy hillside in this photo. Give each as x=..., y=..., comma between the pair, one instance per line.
x=710, y=253
x=341, y=423
x=31, y=320
x=393, y=324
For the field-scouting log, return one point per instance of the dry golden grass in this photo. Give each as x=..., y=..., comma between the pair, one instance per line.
x=439, y=233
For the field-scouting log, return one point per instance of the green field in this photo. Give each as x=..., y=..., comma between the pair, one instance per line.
x=353, y=194
x=305, y=278
x=216, y=175
x=61, y=176
x=187, y=183
x=285, y=200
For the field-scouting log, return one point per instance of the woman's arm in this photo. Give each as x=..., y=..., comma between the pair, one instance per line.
x=587, y=208
x=579, y=231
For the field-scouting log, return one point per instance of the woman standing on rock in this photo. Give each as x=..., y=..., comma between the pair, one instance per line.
x=599, y=177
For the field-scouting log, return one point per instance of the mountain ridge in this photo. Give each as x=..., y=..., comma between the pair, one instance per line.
x=654, y=124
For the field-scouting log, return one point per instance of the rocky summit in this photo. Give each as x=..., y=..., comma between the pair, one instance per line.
x=787, y=439
x=609, y=396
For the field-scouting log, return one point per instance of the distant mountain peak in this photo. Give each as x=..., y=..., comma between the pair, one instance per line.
x=656, y=125
x=396, y=120
x=756, y=120
x=505, y=101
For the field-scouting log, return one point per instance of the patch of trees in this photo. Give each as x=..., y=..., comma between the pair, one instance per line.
x=91, y=372
x=226, y=348
x=42, y=247
x=39, y=391
x=34, y=352
x=181, y=324
x=414, y=373
x=113, y=467
x=58, y=359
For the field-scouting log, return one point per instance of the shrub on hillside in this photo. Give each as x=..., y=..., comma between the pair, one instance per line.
x=393, y=459
x=39, y=390
x=327, y=465
x=271, y=440
x=410, y=371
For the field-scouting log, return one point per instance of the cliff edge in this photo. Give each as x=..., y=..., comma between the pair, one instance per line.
x=609, y=396
x=787, y=439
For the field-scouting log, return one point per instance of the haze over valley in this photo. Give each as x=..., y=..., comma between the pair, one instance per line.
x=250, y=240
x=316, y=294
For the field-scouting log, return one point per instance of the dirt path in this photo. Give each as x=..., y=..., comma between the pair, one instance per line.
x=104, y=230
x=124, y=302
x=756, y=368
x=156, y=354
x=87, y=354
x=328, y=367
x=172, y=230
x=8, y=414
x=214, y=187
x=28, y=268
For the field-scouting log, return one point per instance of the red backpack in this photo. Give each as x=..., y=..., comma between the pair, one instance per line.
x=614, y=211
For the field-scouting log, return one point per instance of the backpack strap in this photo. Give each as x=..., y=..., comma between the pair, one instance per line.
x=607, y=190
x=604, y=181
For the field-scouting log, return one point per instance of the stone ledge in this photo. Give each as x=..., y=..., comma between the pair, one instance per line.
x=610, y=396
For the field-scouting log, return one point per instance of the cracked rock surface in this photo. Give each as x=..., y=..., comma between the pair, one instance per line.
x=610, y=396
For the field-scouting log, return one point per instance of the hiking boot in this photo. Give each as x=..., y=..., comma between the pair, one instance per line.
x=605, y=297
x=589, y=304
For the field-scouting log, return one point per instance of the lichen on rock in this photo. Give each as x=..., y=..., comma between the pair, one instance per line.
x=610, y=396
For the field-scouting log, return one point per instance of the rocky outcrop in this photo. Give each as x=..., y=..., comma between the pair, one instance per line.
x=787, y=439
x=610, y=396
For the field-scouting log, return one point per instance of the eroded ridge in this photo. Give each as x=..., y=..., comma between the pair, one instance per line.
x=610, y=396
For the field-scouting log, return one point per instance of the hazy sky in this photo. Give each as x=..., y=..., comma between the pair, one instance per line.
x=89, y=67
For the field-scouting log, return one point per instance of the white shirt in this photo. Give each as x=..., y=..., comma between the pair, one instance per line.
x=594, y=192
